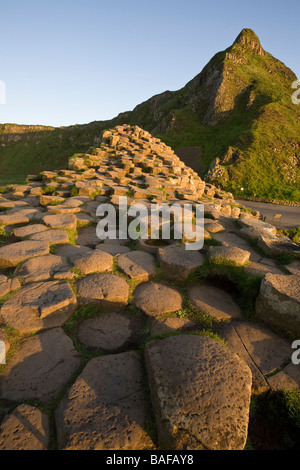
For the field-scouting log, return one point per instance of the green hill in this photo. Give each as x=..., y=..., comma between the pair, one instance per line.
x=234, y=122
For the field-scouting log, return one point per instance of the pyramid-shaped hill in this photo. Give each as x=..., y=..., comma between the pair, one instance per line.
x=130, y=162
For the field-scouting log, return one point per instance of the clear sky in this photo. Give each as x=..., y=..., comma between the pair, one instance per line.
x=72, y=62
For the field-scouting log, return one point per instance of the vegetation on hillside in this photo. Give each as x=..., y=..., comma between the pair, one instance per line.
x=238, y=110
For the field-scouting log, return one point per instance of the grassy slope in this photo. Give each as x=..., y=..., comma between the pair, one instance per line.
x=272, y=122
x=46, y=150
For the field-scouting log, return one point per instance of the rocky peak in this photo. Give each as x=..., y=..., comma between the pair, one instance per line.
x=249, y=41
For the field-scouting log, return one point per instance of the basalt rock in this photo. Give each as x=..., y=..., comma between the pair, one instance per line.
x=66, y=294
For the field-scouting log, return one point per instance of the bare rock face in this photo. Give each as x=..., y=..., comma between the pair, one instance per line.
x=200, y=392
x=41, y=366
x=26, y=428
x=105, y=408
x=278, y=302
x=39, y=306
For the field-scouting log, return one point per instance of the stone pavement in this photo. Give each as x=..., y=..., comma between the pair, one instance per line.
x=126, y=342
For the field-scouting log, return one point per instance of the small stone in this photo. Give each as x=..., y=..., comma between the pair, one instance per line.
x=45, y=200
x=231, y=254
x=214, y=301
x=261, y=268
x=293, y=268
x=64, y=221
x=26, y=428
x=108, y=332
x=53, y=237
x=13, y=254
x=63, y=209
x=29, y=230
x=113, y=249
x=39, y=306
x=137, y=265
x=171, y=324
x=116, y=241
x=13, y=219
x=106, y=290
x=286, y=379
x=253, y=233
x=257, y=226
x=268, y=350
x=226, y=209
x=5, y=204
x=42, y=269
x=155, y=299
x=151, y=246
x=83, y=218
x=87, y=236
x=273, y=246
x=213, y=227
x=178, y=263
x=19, y=216
x=8, y=285
x=230, y=335
x=95, y=262
x=73, y=252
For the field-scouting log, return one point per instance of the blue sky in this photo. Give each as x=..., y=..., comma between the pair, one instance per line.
x=72, y=62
